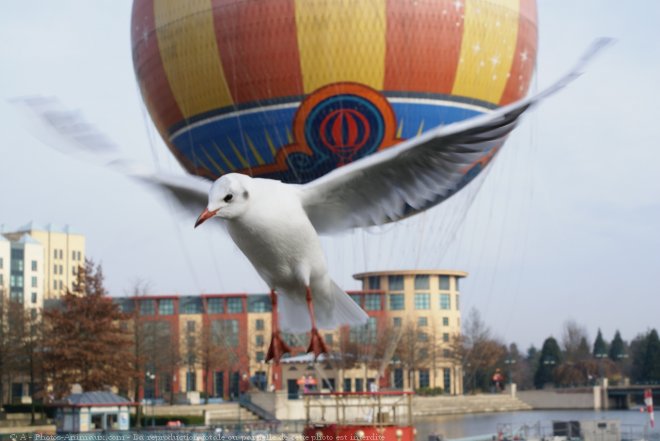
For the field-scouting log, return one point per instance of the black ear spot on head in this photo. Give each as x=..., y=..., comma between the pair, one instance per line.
x=245, y=195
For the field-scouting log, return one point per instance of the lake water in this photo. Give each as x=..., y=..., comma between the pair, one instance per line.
x=462, y=426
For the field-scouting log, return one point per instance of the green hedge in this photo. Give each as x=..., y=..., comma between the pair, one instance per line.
x=428, y=391
x=27, y=408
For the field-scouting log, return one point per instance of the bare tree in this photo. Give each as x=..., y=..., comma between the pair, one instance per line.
x=479, y=352
x=574, y=338
x=412, y=350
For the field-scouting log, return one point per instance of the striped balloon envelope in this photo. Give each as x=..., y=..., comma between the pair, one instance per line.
x=292, y=89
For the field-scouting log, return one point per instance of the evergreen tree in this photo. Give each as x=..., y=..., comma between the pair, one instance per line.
x=583, y=352
x=550, y=358
x=600, y=347
x=84, y=341
x=651, y=360
x=617, y=348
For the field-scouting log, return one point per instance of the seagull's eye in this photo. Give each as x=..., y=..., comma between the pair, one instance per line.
x=228, y=198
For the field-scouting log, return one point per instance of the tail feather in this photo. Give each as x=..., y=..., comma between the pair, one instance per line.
x=337, y=310
x=346, y=311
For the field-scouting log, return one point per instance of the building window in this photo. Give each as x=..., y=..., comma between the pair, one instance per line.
x=165, y=307
x=445, y=321
x=234, y=305
x=17, y=260
x=190, y=305
x=372, y=302
x=445, y=301
x=34, y=281
x=225, y=332
x=34, y=297
x=395, y=283
x=79, y=255
x=216, y=306
x=34, y=265
x=74, y=270
x=259, y=340
x=446, y=353
x=147, y=307
x=357, y=298
x=54, y=269
x=259, y=303
x=422, y=282
x=422, y=336
x=2, y=263
x=396, y=302
x=190, y=381
x=457, y=307
x=422, y=301
x=329, y=339
x=423, y=354
x=259, y=324
x=446, y=379
x=260, y=356
x=456, y=279
x=19, y=281
x=373, y=282
x=54, y=253
x=396, y=322
x=190, y=326
x=54, y=284
x=445, y=337
x=422, y=321
x=61, y=254
x=365, y=334
x=61, y=269
x=424, y=378
x=444, y=283
x=347, y=384
x=2, y=280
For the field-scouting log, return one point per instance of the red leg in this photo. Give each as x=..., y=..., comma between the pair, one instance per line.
x=316, y=343
x=277, y=346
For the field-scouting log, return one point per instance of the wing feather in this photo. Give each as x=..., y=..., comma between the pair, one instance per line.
x=418, y=173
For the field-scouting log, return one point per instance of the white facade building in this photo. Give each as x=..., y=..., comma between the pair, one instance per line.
x=26, y=272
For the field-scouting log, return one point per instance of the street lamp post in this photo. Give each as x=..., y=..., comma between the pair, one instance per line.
x=549, y=362
x=600, y=356
x=152, y=378
x=510, y=362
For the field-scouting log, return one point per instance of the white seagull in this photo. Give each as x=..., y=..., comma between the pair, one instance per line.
x=276, y=225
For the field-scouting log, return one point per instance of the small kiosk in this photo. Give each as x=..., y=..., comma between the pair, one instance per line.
x=90, y=411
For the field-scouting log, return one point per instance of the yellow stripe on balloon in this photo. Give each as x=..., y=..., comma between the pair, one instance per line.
x=490, y=31
x=190, y=55
x=341, y=40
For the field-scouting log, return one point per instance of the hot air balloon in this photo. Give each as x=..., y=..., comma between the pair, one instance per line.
x=291, y=89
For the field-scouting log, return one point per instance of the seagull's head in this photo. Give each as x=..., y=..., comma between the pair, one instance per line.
x=228, y=198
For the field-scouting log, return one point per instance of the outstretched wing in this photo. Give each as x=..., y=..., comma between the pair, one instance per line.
x=67, y=130
x=418, y=173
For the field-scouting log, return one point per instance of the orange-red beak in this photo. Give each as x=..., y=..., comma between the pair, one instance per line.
x=206, y=214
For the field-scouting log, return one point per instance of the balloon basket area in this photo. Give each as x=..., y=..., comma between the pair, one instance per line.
x=358, y=416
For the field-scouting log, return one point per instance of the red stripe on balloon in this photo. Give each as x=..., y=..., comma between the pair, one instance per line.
x=524, y=58
x=258, y=48
x=149, y=69
x=423, y=43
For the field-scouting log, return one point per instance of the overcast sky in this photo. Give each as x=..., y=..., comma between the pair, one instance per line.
x=565, y=224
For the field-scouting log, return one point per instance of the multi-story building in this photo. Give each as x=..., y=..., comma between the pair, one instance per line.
x=63, y=253
x=425, y=306
x=22, y=270
x=5, y=257
x=220, y=341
